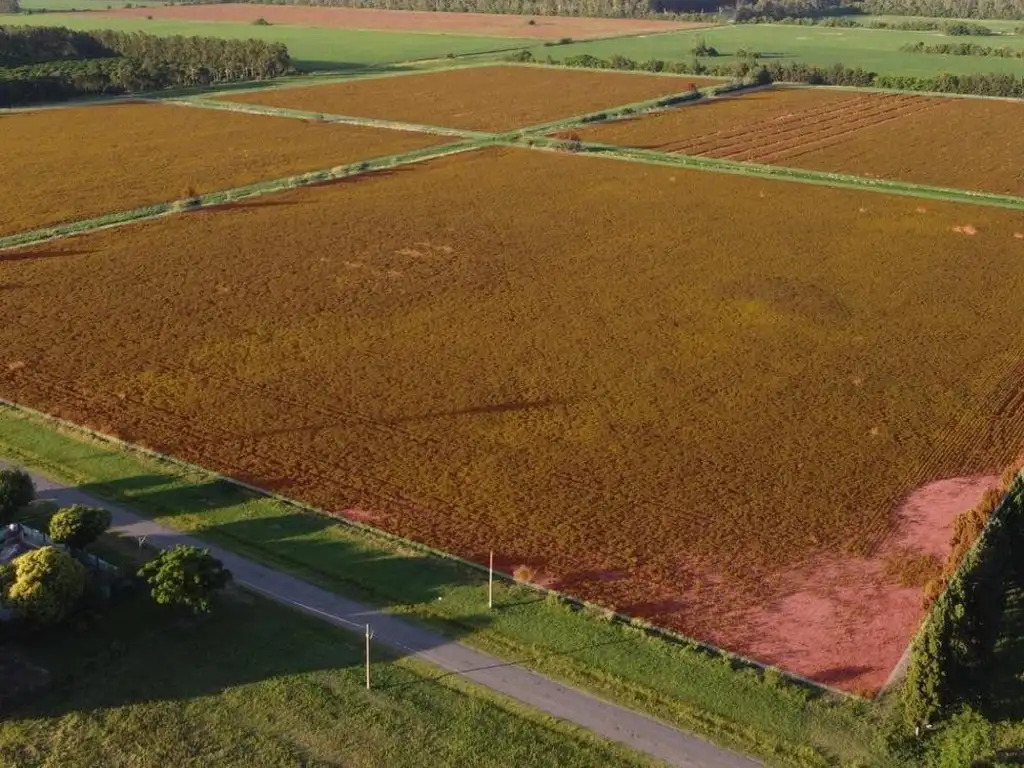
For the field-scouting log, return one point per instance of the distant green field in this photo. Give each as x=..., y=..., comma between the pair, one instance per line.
x=311, y=48
x=875, y=50
x=84, y=5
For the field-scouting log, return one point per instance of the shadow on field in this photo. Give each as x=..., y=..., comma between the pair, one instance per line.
x=239, y=204
x=510, y=407
x=838, y=675
x=12, y=256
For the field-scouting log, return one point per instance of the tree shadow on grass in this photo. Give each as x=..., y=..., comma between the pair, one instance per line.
x=1002, y=686
x=138, y=652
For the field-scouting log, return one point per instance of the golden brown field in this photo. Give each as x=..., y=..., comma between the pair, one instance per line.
x=583, y=364
x=961, y=143
x=105, y=159
x=479, y=98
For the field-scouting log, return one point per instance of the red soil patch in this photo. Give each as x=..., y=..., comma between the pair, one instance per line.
x=842, y=621
x=486, y=24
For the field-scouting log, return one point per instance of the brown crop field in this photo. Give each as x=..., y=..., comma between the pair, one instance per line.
x=498, y=98
x=962, y=143
x=584, y=364
x=105, y=159
x=486, y=24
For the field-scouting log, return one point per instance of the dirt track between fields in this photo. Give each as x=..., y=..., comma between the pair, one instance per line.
x=486, y=24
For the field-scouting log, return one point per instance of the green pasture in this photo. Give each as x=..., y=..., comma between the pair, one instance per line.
x=84, y=5
x=311, y=48
x=877, y=50
x=145, y=686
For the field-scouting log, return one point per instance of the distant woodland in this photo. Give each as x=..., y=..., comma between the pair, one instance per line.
x=40, y=64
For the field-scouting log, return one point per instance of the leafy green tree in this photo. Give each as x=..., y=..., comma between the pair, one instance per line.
x=79, y=526
x=9, y=6
x=16, y=491
x=185, y=576
x=43, y=585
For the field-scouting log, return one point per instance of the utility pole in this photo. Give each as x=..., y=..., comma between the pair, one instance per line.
x=369, y=634
x=490, y=583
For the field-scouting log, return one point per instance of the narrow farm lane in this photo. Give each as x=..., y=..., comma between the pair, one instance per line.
x=640, y=732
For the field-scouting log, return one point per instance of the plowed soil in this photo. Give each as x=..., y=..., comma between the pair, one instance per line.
x=477, y=98
x=486, y=24
x=72, y=164
x=962, y=143
x=673, y=392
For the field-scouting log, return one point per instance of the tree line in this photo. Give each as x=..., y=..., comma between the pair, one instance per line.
x=750, y=67
x=39, y=64
x=964, y=49
x=950, y=9
x=680, y=9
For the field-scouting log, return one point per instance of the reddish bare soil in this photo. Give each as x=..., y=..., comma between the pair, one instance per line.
x=487, y=24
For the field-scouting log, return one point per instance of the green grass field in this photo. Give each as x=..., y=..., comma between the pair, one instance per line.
x=145, y=686
x=874, y=50
x=84, y=5
x=311, y=48
x=678, y=685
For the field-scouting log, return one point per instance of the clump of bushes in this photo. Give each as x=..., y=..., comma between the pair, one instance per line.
x=965, y=28
x=703, y=49
x=260, y=22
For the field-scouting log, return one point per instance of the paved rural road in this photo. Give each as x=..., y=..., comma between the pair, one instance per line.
x=637, y=731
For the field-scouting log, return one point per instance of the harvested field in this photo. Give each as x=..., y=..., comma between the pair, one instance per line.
x=962, y=143
x=478, y=98
x=486, y=24
x=105, y=159
x=671, y=414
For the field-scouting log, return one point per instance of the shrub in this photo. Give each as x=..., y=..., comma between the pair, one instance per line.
x=703, y=49
x=963, y=740
x=963, y=28
x=521, y=56
x=79, y=526
x=261, y=22
x=186, y=576
x=16, y=491
x=531, y=22
x=44, y=585
x=524, y=573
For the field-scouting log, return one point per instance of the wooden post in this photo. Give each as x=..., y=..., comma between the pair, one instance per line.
x=367, y=657
x=490, y=583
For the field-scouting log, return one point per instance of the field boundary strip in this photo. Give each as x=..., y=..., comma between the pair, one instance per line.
x=679, y=100
x=782, y=173
x=227, y=196
x=323, y=117
x=651, y=630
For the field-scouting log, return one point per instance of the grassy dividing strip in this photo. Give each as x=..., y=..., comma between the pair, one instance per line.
x=238, y=193
x=636, y=108
x=756, y=170
x=679, y=681
x=297, y=114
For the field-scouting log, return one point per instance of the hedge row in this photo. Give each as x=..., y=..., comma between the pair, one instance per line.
x=960, y=633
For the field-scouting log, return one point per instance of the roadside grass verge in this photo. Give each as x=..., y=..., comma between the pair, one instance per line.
x=146, y=686
x=676, y=682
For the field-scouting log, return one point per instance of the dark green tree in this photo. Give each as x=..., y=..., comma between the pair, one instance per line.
x=186, y=576
x=79, y=526
x=16, y=492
